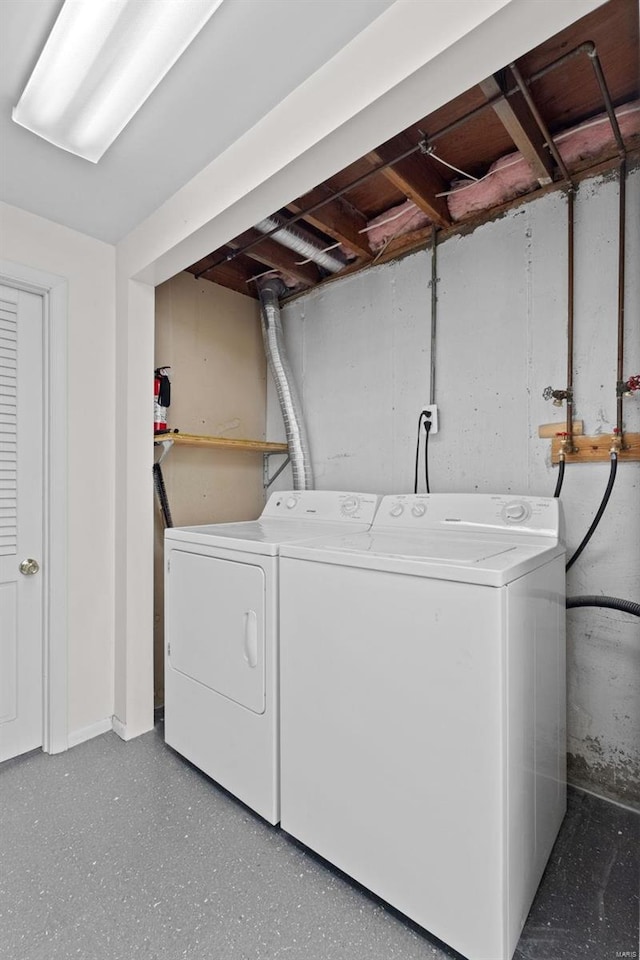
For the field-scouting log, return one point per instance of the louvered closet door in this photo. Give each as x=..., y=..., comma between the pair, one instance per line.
x=21, y=520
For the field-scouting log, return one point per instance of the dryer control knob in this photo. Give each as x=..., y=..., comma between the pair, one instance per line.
x=418, y=509
x=397, y=511
x=350, y=506
x=291, y=503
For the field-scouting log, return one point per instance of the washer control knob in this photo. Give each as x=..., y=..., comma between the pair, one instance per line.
x=291, y=503
x=516, y=512
x=397, y=510
x=350, y=506
x=418, y=509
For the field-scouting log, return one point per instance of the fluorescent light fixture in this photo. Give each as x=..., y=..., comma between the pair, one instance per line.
x=102, y=60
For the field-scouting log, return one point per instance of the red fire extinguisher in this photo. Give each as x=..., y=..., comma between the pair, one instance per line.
x=161, y=399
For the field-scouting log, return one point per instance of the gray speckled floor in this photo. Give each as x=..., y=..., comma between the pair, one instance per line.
x=116, y=851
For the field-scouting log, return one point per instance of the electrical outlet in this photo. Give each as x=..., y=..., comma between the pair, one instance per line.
x=431, y=413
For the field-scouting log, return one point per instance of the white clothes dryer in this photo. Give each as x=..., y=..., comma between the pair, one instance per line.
x=221, y=637
x=423, y=708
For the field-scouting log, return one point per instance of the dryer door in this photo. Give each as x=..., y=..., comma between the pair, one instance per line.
x=216, y=625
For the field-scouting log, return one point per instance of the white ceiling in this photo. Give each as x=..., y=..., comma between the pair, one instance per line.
x=247, y=59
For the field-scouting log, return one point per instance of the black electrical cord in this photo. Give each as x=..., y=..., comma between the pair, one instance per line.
x=601, y=509
x=424, y=416
x=612, y=603
x=415, y=478
x=558, y=488
x=427, y=427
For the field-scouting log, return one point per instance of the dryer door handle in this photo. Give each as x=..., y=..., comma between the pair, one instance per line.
x=251, y=638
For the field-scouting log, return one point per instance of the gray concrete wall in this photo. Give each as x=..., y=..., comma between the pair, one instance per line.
x=360, y=349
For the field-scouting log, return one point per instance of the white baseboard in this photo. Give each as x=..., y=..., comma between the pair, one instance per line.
x=88, y=733
x=120, y=728
x=129, y=731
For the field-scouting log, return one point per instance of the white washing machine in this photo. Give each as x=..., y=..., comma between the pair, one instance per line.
x=221, y=637
x=423, y=708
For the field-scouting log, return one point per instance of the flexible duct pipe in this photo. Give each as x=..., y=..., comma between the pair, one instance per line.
x=273, y=337
x=299, y=244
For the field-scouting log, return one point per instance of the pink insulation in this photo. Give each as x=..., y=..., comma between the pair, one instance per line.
x=394, y=223
x=508, y=177
x=511, y=175
x=590, y=138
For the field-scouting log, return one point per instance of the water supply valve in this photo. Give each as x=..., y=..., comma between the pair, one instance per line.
x=627, y=388
x=558, y=396
x=616, y=443
x=564, y=442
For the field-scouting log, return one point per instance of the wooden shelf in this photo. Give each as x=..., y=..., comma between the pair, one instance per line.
x=222, y=443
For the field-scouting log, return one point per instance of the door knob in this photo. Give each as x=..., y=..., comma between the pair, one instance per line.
x=29, y=567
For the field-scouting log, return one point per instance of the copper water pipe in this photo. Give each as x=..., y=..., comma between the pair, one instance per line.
x=568, y=444
x=544, y=129
x=620, y=385
x=606, y=96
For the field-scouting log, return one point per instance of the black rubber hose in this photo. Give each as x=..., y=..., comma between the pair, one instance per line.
x=558, y=488
x=613, y=603
x=601, y=509
x=161, y=492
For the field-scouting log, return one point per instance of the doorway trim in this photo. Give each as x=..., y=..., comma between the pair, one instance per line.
x=53, y=290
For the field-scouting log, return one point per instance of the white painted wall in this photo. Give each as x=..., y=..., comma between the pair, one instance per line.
x=89, y=267
x=359, y=349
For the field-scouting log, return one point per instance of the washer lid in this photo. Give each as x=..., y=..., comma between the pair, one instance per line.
x=438, y=550
x=494, y=562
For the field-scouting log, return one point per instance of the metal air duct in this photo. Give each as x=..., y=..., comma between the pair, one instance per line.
x=273, y=338
x=297, y=242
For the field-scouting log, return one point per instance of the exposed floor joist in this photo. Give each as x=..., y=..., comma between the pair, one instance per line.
x=335, y=219
x=470, y=133
x=272, y=254
x=415, y=177
x=521, y=126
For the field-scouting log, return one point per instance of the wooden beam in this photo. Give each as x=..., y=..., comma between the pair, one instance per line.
x=231, y=273
x=416, y=177
x=519, y=122
x=272, y=254
x=336, y=219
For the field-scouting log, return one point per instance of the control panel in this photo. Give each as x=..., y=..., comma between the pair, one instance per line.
x=327, y=505
x=470, y=512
